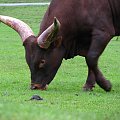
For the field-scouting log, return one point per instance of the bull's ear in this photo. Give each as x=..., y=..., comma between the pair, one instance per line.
x=58, y=41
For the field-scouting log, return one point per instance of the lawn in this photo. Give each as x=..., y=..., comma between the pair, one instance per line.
x=22, y=1
x=64, y=99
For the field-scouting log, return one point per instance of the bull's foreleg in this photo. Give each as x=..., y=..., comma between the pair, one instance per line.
x=99, y=42
x=90, y=82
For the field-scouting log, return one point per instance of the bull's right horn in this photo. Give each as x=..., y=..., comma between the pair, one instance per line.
x=22, y=28
x=47, y=37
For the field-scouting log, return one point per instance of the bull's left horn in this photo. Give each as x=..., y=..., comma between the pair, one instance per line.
x=47, y=37
x=19, y=26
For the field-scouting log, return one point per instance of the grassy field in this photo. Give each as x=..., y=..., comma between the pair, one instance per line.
x=20, y=1
x=64, y=99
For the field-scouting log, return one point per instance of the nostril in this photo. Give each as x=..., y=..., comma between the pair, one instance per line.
x=33, y=87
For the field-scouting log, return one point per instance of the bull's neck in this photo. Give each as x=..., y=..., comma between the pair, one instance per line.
x=115, y=8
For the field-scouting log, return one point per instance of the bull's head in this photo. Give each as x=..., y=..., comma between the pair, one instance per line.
x=44, y=53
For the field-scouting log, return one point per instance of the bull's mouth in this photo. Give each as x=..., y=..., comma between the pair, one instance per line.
x=38, y=86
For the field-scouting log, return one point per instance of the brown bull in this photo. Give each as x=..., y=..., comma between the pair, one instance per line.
x=69, y=28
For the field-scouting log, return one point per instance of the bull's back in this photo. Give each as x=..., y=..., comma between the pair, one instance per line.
x=77, y=15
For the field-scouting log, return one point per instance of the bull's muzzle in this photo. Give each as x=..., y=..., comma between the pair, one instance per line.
x=38, y=87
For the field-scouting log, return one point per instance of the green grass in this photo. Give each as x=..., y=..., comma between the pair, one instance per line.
x=64, y=99
x=22, y=1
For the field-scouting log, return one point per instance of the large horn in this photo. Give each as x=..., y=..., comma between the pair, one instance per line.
x=22, y=28
x=47, y=37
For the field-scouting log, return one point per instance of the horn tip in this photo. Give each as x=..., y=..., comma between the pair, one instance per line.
x=56, y=21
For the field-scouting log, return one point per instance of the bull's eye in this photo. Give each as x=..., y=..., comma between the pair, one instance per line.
x=42, y=63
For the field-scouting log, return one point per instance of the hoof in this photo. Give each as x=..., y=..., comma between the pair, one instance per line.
x=87, y=87
x=108, y=86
